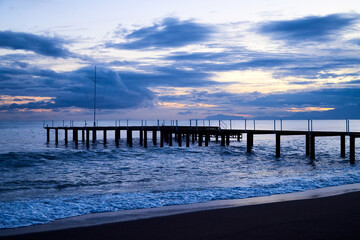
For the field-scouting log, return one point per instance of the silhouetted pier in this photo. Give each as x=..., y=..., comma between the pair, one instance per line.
x=200, y=135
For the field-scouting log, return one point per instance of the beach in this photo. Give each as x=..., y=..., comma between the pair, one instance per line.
x=326, y=213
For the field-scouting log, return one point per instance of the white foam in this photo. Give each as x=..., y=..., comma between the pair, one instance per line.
x=128, y=215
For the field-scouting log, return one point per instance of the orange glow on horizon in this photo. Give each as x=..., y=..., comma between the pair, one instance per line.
x=309, y=109
x=7, y=99
x=182, y=105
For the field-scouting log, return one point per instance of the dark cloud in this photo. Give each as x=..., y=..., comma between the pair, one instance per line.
x=119, y=90
x=203, y=56
x=171, y=32
x=311, y=28
x=47, y=46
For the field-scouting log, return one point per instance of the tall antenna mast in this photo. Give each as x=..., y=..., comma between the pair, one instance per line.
x=95, y=98
x=95, y=78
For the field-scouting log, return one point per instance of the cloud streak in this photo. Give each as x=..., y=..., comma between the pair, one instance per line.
x=47, y=46
x=311, y=28
x=169, y=33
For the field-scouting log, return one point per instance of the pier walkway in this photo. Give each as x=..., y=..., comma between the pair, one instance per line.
x=201, y=135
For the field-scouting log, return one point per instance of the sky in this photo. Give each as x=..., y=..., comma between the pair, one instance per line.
x=158, y=59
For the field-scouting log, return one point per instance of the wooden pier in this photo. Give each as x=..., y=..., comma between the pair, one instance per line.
x=200, y=135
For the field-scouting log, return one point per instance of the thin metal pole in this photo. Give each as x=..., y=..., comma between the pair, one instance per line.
x=275, y=126
x=230, y=125
x=196, y=125
x=311, y=125
x=281, y=124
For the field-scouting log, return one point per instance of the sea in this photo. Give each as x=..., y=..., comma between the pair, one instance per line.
x=41, y=182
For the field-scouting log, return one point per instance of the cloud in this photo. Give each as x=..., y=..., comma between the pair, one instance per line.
x=47, y=46
x=311, y=28
x=169, y=33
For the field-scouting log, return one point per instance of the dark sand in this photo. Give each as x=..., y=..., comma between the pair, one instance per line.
x=335, y=217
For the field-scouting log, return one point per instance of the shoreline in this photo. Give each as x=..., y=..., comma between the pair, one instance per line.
x=126, y=216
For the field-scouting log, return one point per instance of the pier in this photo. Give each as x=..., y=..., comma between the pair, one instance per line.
x=201, y=136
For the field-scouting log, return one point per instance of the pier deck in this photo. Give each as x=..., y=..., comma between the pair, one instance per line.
x=202, y=135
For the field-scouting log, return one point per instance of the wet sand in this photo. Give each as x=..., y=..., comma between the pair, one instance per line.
x=328, y=213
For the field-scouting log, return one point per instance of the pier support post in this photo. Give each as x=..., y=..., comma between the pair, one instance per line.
x=206, y=139
x=145, y=139
x=47, y=135
x=83, y=135
x=87, y=137
x=238, y=137
x=342, y=146
x=217, y=138
x=117, y=136
x=141, y=136
x=104, y=136
x=352, y=149
x=278, y=145
x=307, y=144
x=66, y=136
x=312, y=147
x=222, y=139
x=227, y=139
x=180, y=139
x=193, y=138
x=129, y=137
x=76, y=137
x=94, y=135
x=56, y=136
x=200, y=139
x=154, y=137
x=170, y=139
x=250, y=141
x=187, y=139
x=161, y=138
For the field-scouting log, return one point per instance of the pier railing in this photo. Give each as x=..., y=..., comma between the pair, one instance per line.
x=347, y=125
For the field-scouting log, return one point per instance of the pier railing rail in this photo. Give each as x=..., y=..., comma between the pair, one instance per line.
x=344, y=125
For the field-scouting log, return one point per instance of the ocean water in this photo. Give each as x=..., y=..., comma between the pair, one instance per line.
x=41, y=182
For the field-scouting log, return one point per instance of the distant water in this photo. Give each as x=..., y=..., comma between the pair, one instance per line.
x=42, y=182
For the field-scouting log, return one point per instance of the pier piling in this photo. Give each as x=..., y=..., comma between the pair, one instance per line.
x=352, y=149
x=278, y=145
x=94, y=135
x=312, y=147
x=66, y=136
x=249, y=141
x=187, y=139
x=179, y=140
x=145, y=139
x=87, y=137
x=154, y=137
x=56, y=136
x=342, y=146
x=307, y=144
x=222, y=139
